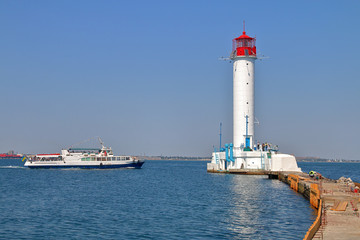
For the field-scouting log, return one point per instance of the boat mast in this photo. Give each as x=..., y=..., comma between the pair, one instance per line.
x=101, y=142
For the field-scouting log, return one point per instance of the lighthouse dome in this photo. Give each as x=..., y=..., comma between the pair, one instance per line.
x=244, y=36
x=244, y=46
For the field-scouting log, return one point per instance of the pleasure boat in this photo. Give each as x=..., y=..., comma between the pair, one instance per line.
x=83, y=158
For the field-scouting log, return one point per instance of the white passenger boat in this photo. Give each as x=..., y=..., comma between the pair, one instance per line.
x=83, y=158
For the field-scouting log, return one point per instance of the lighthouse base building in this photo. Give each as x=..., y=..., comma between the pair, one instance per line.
x=253, y=161
x=244, y=154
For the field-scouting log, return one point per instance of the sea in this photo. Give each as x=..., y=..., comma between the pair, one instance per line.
x=163, y=200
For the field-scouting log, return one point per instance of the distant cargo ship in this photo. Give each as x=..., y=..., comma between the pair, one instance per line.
x=6, y=156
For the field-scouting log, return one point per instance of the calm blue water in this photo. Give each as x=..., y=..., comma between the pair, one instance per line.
x=164, y=200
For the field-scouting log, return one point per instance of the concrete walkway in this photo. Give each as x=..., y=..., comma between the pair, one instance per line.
x=340, y=215
x=343, y=224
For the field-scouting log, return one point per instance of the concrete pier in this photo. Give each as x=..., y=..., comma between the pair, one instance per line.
x=336, y=202
x=242, y=171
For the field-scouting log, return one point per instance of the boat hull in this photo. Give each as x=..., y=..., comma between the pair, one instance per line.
x=136, y=165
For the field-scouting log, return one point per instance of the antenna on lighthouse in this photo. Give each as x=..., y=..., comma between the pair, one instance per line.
x=220, y=135
x=244, y=27
x=224, y=59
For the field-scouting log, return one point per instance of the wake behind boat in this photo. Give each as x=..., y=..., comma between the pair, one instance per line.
x=83, y=158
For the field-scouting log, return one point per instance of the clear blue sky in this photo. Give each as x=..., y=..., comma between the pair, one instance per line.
x=145, y=75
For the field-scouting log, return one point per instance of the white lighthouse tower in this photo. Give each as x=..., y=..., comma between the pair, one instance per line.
x=243, y=56
x=241, y=156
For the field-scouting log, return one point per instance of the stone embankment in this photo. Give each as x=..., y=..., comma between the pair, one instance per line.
x=336, y=202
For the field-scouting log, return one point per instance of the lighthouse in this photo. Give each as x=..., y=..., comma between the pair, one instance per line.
x=241, y=156
x=243, y=56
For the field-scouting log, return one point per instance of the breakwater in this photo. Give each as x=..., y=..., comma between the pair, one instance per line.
x=336, y=203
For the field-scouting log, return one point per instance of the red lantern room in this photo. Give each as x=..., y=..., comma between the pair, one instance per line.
x=244, y=46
